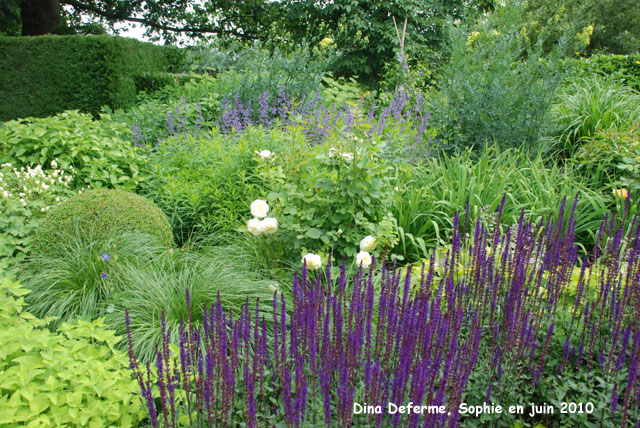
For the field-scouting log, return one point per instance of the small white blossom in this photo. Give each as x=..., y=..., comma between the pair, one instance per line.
x=313, y=261
x=363, y=259
x=259, y=208
x=368, y=243
x=5, y=194
x=54, y=164
x=348, y=157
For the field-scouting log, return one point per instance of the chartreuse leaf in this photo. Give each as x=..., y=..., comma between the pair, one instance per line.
x=50, y=379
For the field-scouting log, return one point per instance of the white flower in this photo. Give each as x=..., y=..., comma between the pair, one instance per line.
x=339, y=231
x=259, y=208
x=5, y=194
x=265, y=154
x=54, y=163
x=363, y=259
x=348, y=157
x=332, y=152
x=368, y=243
x=254, y=226
x=313, y=261
x=269, y=225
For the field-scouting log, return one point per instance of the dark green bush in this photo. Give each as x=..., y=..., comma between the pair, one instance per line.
x=40, y=76
x=154, y=80
x=100, y=213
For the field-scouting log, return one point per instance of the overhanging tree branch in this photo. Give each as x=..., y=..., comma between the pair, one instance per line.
x=152, y=24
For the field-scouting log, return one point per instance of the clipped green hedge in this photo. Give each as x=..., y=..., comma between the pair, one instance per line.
x=99, y=213
x=624, y=68
x=41, y=76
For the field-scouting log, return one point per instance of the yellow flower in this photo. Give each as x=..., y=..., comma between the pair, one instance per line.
x=326, y=42
x=637, y=62
x=621, y=193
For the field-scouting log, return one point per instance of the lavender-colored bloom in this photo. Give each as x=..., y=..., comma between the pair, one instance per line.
x=106, y=257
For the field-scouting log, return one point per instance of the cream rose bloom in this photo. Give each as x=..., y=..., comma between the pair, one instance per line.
x=259, y=208
x=254, y=226
x=368, y=243
x=363, y=259
x=313, y=261
x=265, y=154
x=269, y=225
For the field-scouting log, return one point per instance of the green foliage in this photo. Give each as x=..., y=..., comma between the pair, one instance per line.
x=94, y=150
x=10, y=22
x=430, y=195
x=87, y=271
x=495, y=87
x=153, y=81
x=45, y=75
x=148, y=289
x=616, y=153
x=98, y=214
x=338, y=92
x=73, y=377
x=25, y=196
x=585, y=107
x=624, y=69
x=257, y=70
x=328, y=197
x=205, y=183
x=591, y=26
x=364, y=33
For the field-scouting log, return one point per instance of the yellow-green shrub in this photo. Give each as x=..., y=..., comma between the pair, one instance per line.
x=72, y=377
x=100, y=213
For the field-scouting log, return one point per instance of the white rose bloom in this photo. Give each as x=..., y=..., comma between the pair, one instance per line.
x=368, y=243
x=363, y=259
x=265, y=154
x=254, y=226
x=348, y=157
x=270, y=225
x=313, y=261
x=259, y=208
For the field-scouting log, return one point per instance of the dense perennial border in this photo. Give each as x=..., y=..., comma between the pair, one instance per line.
x=492, y=305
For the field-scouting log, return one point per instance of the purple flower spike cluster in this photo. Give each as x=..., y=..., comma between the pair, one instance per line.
x=494, y=309
x=404, y=122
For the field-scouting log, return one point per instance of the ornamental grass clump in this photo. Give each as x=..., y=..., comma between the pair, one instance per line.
x=497, y=322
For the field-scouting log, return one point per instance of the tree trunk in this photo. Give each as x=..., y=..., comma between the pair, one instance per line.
x=39, y=16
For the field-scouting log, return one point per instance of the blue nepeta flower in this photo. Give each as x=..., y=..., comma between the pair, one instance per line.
x=106, y=257
x=103, y=275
